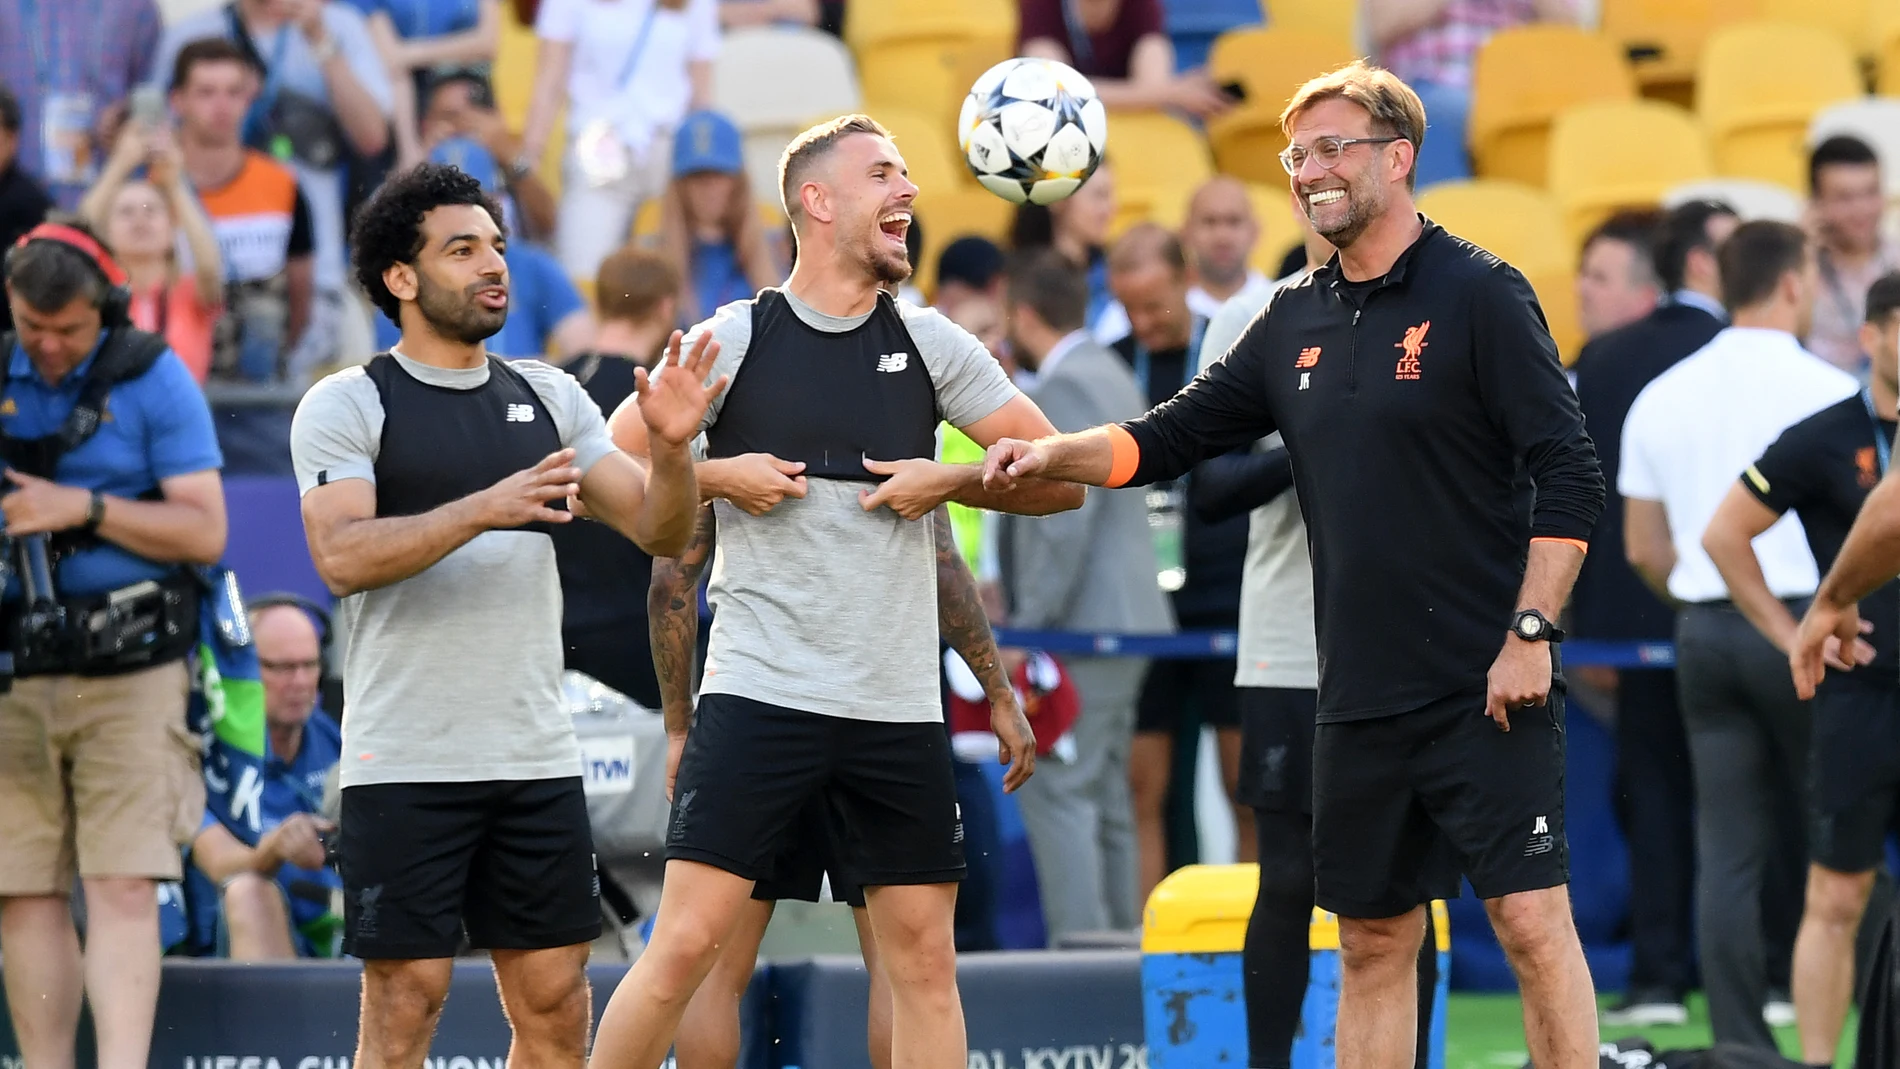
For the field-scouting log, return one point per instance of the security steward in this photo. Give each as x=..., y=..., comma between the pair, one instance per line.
x=1449, y=490
x=112, y=489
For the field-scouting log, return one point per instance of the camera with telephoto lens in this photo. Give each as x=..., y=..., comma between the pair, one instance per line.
x=40, y=634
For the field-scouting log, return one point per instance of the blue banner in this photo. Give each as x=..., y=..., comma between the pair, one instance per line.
x=1214, y=645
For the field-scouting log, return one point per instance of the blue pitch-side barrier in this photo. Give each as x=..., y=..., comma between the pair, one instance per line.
x=1216, y=644
x=1044, y=1010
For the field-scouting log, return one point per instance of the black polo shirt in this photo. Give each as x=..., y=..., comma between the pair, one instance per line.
x=1433, y=435
x=1823, y=468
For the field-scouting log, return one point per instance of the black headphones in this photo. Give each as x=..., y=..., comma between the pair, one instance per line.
x=317, y=613
x=115, y=308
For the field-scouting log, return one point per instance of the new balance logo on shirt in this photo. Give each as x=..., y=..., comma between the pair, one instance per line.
x=891, y=363
x=520, y=413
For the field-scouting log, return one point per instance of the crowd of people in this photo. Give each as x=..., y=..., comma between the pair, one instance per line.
x=197, y=181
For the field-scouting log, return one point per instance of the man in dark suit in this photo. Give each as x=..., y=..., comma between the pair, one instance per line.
x=1655, y=793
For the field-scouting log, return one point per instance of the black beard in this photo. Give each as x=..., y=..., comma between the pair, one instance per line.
x=456, y=315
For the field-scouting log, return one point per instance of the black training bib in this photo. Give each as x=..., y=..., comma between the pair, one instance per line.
x=441, y=443
x=828, y=399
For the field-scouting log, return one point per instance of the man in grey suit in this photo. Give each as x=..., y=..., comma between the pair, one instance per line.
x=1089, y=569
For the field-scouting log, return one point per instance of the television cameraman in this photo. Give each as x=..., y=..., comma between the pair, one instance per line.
x=111, y=486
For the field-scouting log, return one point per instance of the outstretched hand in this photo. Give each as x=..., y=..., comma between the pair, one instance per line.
x=1826, y=638
x=673, y=405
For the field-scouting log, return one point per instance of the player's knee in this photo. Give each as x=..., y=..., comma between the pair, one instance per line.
x=1837, y=899
x=680, y=955
x=1286, y=887
x=253, y=911
x=1533, y=927
x=1377, y=945
x=401, y=1002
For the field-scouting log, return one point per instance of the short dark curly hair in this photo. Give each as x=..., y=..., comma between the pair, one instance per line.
x=388, y=228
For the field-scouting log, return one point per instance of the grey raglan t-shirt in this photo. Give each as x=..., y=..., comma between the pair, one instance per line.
x=818, y=605
x=454, y=674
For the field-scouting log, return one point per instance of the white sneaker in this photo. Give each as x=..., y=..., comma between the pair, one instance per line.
x=1645, y=1013
x=1778, y=1013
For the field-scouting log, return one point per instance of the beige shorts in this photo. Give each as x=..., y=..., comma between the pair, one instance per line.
x=98, y=776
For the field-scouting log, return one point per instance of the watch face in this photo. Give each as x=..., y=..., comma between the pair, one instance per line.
x=1530, y=625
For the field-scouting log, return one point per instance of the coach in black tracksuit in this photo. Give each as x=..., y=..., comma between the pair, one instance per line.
x=1449, y=490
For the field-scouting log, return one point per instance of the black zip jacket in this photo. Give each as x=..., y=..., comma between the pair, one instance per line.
x=1433, y=435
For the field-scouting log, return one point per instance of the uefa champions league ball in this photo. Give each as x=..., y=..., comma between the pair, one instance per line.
x=1032, y=130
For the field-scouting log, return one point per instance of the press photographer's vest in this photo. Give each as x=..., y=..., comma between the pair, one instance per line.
x=440, y=443
x=828, y=399
x=123, y=630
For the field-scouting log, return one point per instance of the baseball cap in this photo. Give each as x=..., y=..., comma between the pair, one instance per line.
x=707, y=141
x=472, y=158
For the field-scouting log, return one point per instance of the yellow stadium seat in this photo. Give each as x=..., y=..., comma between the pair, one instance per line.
x=1334, y=19
x=1522, y=226
x=1272, y=64
x=1280, y=228
x=962, y=211
x=1850, y=20
x=930, y=76
x=1884, y=30
x=1525, y=76
x=1664, y=37
x=878, y=22
x=513, y=80
x=1617, y=154
x=1159, y=162
x=1758, y=86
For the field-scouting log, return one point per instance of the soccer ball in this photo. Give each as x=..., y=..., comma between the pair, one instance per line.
x=1032, y=130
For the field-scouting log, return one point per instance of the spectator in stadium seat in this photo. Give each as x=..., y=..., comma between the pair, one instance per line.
x=547, y=316
x=709, y=226
x=70, y=65
x=967, y=268
x=324, y=103
x=1655, y=796
x=736, y=14
x=1218, y=237
x=1616, y=281
x=628, y=73
x=1845, y=206
x=1091, y=568
x=142, y=220
x=1077, y=227
x=1432, y=45
x=1148, y=270
x=422, y=40
x=463, y=105
x=258, y=214
x=275, y=894
x=23, y=202
x=604, y=576
x=1688, y=436
x=1123, y=49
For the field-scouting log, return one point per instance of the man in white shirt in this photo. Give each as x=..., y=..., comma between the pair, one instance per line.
x=1688, y=436
x=1219, y=236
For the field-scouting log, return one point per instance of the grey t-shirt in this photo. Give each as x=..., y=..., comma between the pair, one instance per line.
x=1277, y=644
x=454, y=674
x=819, y=605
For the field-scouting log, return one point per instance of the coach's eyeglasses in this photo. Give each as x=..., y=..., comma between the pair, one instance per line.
x=1326, y=151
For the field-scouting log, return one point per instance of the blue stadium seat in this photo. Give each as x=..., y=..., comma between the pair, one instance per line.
x=1193, y=25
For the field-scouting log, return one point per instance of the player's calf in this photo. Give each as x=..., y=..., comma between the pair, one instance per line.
x=545, y=996
x=402, y=1001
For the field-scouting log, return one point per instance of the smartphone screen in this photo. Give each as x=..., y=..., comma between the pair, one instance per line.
x=147, y=106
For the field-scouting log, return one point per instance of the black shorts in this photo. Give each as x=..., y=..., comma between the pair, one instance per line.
x=1172, y=685
x=1854, y=771
x=1403, y=804
x=805, y=861
x=1276, y=748
x=752, y=771
x=510, y=861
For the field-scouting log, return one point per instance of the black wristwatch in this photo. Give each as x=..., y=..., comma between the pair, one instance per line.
x=1533, y=626
x=95, y=511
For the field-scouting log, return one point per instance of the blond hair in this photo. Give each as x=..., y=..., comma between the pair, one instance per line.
x=1395, y=109
x=810, y=148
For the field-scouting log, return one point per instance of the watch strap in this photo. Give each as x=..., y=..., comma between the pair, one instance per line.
x=95, y=511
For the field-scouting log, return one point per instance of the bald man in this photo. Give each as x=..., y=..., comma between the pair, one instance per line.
x=1200, y=564
x=1218, y=238
x=271, y=878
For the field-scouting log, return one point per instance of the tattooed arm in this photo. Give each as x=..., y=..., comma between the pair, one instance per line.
x=964, y=624
x=673, y=625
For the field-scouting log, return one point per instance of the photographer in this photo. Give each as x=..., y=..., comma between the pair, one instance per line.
x=274, y=897
x=113, y=480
